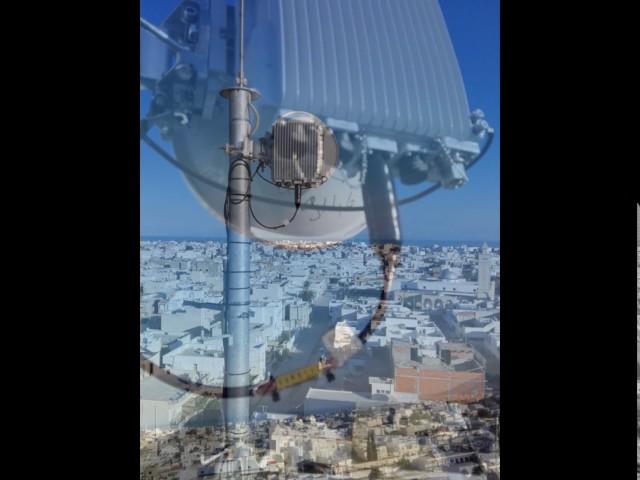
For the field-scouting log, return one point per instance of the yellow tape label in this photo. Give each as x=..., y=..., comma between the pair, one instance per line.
x=299, y=376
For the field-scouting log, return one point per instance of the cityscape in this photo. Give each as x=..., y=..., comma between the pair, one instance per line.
x=420, y=399
x=310, y=330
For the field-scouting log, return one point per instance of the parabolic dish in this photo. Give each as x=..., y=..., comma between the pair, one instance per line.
x=198, y=146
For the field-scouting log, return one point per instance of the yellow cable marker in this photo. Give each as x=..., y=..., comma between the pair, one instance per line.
x=299, y=376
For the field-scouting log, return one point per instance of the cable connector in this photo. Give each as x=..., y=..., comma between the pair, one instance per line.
x=298, y=194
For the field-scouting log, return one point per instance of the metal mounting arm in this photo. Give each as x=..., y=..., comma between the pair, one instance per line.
x=162, y=35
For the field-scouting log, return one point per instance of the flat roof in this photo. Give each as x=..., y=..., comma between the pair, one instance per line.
x=382, y=380
x=340, y=396
x=428, y=363
x=153, y=389
x=454, y=346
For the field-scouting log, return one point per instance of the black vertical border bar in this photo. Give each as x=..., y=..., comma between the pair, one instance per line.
x=566, y=247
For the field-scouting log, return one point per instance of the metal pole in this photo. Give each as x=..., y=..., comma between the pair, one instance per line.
x=237, y=276
x=237, y=288
x=242, y=81
x=162, y=36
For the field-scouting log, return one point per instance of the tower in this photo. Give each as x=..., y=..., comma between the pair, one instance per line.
x=484, y=273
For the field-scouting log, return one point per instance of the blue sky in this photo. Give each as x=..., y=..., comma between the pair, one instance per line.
x=168, y=208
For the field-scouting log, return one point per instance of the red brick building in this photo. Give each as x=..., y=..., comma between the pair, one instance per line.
x=440, y=385
x=433, y=379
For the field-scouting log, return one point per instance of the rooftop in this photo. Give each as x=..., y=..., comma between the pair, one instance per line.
x=386, y=380
x=454, y=346
x=427, y=363
x=153, y=389
x=341, y=396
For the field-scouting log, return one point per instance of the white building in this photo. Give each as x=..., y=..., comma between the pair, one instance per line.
x=268, y=293
x=444, y=287
x=198, y=361
x=485, y=287
x=160, y=404
x=320, y=401
x=381, y=386
x=269, y=317
x=188, y=318
x=345, y=335
x=297, y=314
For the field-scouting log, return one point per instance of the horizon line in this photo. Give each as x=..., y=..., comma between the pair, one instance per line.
x=359, y=239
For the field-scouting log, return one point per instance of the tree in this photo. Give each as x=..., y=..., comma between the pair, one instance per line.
x=307, y=295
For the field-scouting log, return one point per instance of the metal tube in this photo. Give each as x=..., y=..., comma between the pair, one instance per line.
x=162, y=35
x=242, y=81
x=237, y=277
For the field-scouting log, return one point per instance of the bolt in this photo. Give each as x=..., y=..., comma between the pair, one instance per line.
x=189, y=14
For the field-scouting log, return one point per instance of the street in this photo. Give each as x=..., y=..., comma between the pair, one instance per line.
x=307, y=350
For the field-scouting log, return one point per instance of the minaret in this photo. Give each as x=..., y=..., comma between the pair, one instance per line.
x=484, y=273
